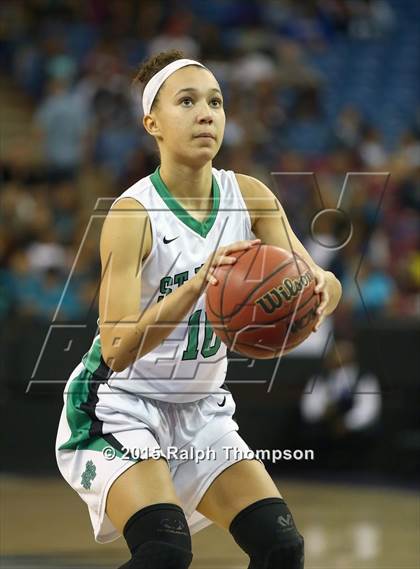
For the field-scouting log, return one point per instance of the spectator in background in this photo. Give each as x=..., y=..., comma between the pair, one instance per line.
x=53, y=296
x=21, y=284
x=407, y=275
x=252, y=67
x=348, y=128
x=65, y=207
x=17, y=210
x=371, y=149
x=341, y=407
x=371, y=18
x=307, y=130
x=410, y=191
x=29, y=69
x=62, y=124
x=37, y=295
x=104, y=94
x=117, y=136
x=293, y=71
x=177, y=35
x=46, y=252
x=375, y=293
x=406, y=159
x=235, y=130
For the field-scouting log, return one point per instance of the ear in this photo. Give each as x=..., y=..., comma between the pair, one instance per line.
x=151, y=126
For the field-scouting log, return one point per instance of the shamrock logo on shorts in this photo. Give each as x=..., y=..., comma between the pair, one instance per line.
x=88, y=475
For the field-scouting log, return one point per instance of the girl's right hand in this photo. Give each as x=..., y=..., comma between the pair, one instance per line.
x=205, y=275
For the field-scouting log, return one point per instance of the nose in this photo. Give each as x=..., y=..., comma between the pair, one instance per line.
x=205, y=115
x=205, y=118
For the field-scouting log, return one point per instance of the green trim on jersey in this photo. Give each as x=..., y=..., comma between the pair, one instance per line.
x=200, y=227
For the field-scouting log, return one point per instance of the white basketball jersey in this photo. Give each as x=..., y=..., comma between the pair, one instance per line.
x=191, y=362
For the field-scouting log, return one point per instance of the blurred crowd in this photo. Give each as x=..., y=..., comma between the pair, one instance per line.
x=71, y=64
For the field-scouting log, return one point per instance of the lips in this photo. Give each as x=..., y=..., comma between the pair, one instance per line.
x=205, y=135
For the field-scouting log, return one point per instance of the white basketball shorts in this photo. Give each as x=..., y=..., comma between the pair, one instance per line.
x=104, y=430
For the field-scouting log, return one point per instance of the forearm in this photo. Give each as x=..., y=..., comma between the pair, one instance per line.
x=136, y=335
x=270, y=236
x=334, y=292
x=333, y=285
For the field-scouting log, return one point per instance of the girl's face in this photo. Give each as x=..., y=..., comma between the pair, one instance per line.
x=188, y=119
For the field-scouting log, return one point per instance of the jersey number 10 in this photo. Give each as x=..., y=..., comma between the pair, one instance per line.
x=211, y=342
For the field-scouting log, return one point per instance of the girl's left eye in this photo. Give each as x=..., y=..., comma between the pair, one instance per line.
x=216, y=102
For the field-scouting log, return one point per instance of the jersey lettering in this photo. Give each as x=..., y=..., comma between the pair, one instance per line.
x=209, y=346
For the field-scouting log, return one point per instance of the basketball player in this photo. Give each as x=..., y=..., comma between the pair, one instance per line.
x=153, y=378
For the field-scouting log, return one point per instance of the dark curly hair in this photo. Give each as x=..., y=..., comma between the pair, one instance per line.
x=154, y=64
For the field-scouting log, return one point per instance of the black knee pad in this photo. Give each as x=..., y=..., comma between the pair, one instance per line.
x=266, y=531
x=159, y=538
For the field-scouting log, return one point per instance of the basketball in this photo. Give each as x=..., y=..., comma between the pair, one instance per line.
x=264, y=304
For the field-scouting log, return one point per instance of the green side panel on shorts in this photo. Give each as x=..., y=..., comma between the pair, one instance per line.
x=79, y=420
x=200, y=227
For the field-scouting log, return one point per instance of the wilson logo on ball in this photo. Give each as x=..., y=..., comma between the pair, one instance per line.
x=264, y=305
x=286, y=292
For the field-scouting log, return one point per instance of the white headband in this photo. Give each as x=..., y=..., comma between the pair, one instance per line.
x=155, y=83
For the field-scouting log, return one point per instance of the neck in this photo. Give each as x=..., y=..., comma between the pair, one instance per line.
x=191, y=185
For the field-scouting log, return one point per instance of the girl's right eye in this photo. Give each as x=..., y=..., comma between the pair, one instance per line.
x=185, y=101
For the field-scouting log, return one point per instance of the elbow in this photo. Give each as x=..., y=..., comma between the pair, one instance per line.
x=111, y=360
x=117, y=360
x=115, y=365
x=111, y=356
x=117, y=352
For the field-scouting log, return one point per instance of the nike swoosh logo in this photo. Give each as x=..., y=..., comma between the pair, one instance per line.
x=223, y=402
x=166, y=241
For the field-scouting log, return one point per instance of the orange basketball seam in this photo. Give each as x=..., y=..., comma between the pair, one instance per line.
x=252, y=291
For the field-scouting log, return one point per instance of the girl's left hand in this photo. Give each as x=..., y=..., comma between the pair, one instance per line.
x=329, y=289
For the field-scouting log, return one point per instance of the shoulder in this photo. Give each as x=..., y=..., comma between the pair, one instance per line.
x=132, y=203
x=128, y=222
x=251, y=186
x=135, y=194
x=127, y=203
x=256, y=194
